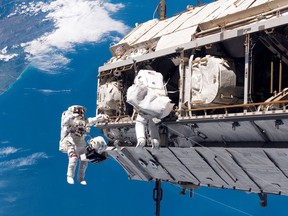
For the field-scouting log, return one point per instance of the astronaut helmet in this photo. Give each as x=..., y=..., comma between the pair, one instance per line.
x=77, y=109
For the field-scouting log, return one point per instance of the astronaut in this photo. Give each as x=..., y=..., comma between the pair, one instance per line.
x=149, y=98
x=74, y=129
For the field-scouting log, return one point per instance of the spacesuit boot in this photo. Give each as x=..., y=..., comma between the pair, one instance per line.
x=155, y=146
x=70, y=180
x=140, y=144
x=81, y=172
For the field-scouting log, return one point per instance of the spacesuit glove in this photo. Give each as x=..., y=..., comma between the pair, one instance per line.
x=156, y=120
x=101, y=118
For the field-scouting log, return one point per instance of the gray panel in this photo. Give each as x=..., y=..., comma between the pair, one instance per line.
x=261, y=169
x=225, y=132
x=250, y=169
x=198, y=167
x=149, y=164
x=209, y=156
x=240, y=179
x=171, y=163
x=129, y=167
x=274, y=132
x=280, y=158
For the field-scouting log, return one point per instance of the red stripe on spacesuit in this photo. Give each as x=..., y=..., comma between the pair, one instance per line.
x=72, y=155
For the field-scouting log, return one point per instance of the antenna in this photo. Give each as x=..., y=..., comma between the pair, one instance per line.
x=162, y=10
x=198, y=2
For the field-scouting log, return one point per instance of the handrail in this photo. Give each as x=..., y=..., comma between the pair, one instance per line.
x=235, y=106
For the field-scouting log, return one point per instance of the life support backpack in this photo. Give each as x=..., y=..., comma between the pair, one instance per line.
x=148, y=94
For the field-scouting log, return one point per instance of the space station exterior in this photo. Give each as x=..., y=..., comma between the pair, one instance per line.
x=224, y=67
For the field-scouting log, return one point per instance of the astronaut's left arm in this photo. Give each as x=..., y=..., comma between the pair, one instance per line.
x=101, y=118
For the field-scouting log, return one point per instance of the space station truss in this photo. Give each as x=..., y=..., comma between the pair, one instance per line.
x=229, y=127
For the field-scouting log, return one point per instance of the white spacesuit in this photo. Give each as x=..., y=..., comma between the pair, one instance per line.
x=143, y=121
x=74, y=128
x=148, y=96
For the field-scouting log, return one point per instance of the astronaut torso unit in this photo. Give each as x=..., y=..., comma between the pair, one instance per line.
x=74, y=128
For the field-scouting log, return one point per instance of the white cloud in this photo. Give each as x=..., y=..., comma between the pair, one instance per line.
x=7, y=151
x=48, y=61
x=30, y=9
x=10, y=198
x=22, y=162
x=76, y=22
x=6, y=57
x=51, y=91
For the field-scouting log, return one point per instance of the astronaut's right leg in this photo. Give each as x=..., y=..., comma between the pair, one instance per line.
x=140, y=133
x=155, y=137
x=81, y=172
x=83, y=164
x=72, y=162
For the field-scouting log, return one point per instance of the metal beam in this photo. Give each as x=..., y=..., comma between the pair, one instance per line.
x=162, y=8
x=247, y=68
x=263, y=198
x=157, y=195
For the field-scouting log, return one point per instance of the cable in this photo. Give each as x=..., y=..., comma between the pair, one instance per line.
x=155, y=10
x=223, y=204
